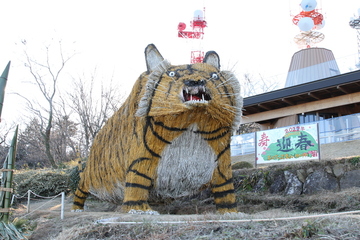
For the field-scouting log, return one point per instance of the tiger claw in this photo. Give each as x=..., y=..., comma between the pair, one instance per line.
x=77, y=210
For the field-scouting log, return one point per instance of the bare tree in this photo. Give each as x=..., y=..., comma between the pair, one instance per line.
x=66, y=131
x=5, y=131
x=93, y=106
x=30, y=152
x=46, y=76
x=63, y=145
x=252, y=85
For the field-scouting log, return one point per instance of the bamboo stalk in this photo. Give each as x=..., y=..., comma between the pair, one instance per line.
x=3, y=181
x=9, y=175
x=3, y=79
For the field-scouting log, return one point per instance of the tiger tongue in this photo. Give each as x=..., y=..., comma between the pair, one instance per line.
x=194, y=98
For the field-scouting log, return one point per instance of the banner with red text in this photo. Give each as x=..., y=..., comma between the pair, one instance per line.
x=293, y=143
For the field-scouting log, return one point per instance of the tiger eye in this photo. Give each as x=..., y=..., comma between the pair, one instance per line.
x=172, y=74
x=215, y=76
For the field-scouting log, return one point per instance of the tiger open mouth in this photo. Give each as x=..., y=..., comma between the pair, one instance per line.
x=195, y=94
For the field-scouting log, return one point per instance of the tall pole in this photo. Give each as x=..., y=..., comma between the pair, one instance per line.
x=355, y=24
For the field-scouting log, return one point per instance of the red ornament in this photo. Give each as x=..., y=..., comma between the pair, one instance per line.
x=316, y=17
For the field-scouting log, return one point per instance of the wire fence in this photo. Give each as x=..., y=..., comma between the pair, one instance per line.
x=51, y=198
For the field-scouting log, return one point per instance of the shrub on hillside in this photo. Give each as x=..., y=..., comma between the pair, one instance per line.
x=241, y=165
x=43, y=183
x=74, y=177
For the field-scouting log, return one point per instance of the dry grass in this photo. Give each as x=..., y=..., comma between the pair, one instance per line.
x=324, y=202
x=345, y=227
x=84, y=226
x=252, y=205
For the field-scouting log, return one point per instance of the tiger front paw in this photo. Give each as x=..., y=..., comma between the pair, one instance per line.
x=135, y=207
x=226, y=210
x=77, y=210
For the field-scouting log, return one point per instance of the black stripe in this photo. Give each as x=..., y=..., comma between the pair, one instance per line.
x=151, y=151
x=80, y=197
x=211, y=132
x=140, y=174
x=161, y=124
x=157, y=135
x=153, y=94
x=223, y=193
x=217, y=159
x=218, y=136
x=222, y=152
x=190, y=68
x=224, y=183
x=145, y=143
x=137, y=161
x=169, y=90
x=228, y=95
x=83, y=192
x=136, y=185
x=78, y=204
x=221, y=174
x=226, y=205
x=132, y=203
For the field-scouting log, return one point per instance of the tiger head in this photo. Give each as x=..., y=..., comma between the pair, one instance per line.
x=201, y=88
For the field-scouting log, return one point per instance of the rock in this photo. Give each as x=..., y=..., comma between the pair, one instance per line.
x=350, y=179
x=278, y=185
x=260, y=185
x=318, y=181
x=294, y=185
x=328, y=169
x=301, y=174
x=338, y=170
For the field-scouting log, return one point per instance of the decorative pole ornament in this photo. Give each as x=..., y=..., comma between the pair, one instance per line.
x=197, y=32
x=308, y=20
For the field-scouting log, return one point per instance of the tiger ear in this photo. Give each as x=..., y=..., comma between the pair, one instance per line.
x=212, y=58
x=153, y=57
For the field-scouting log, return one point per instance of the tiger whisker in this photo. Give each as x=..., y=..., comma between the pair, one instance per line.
x=234, y=107
x=166, y=92
x=228, y=109
x=171, y=94
x=225, y=82
x=230, y=94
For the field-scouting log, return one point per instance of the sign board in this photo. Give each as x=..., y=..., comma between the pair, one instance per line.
x=293, y=143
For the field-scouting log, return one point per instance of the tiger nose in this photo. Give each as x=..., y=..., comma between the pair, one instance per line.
x=192, y=83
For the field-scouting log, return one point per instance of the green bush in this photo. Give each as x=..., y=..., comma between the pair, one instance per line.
x=241, y=165
x=74, y=177
x=354, y=160
x=43, y=183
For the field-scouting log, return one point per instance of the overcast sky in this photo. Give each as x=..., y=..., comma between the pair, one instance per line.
x=250, y=36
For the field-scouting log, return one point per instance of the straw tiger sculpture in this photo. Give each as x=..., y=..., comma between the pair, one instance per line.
x=170, y=138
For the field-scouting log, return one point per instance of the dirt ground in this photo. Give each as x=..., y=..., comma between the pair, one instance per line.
x=101, y=221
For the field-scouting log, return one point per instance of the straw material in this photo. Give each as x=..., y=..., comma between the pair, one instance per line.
x=170, y=138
